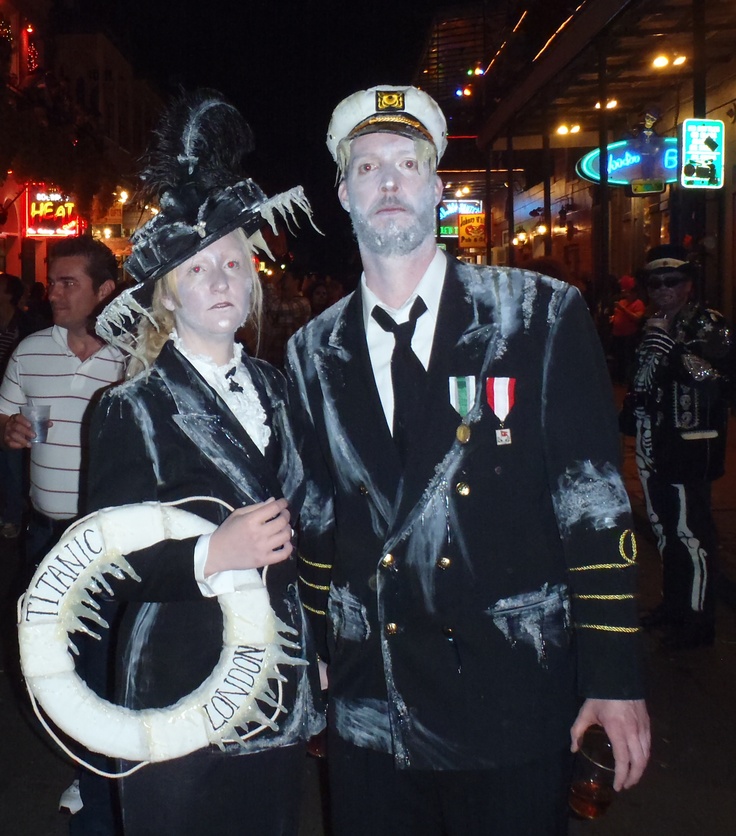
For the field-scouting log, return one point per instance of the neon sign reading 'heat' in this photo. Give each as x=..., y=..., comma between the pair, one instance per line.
x=633, y=159
x=49, y=213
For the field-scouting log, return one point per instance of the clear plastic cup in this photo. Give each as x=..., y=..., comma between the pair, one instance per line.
x=39, y=416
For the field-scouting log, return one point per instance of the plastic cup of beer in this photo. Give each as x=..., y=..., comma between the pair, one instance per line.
x=38, y=415
x=591, y=790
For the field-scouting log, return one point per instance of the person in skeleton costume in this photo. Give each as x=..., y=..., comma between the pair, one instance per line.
x=466, y=548
x=203, y=419
x=678, y=409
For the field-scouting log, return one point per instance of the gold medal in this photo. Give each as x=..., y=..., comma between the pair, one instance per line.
x=463, y=433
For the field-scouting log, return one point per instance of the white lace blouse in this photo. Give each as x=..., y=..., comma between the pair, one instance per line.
x=233, y=384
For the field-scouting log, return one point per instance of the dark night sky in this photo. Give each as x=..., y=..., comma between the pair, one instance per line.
x=286, y=64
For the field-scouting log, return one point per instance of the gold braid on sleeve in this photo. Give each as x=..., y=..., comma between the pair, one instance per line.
x=320, y=587
x=626, y=559
x=312, y=609
x=312, y=563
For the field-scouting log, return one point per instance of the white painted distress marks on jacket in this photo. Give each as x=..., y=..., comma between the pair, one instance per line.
x=538, y=618
x=586, y=494
x=348, y=617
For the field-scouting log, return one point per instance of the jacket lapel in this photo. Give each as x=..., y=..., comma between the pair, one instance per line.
x=460, y=347
x=206, y=420
x=353, y=408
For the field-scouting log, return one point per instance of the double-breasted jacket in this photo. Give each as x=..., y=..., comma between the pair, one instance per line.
x=472, y=598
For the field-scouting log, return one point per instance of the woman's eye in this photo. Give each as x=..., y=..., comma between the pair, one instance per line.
x=410, y=163
x=231, y=264
x=195, y=268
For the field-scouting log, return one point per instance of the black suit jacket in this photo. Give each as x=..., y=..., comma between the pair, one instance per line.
x=476, y=596
x=167, y=435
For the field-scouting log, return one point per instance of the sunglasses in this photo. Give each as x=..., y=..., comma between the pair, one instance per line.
x=669, y=281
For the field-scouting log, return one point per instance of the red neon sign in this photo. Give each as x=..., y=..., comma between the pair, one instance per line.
x=50, y=213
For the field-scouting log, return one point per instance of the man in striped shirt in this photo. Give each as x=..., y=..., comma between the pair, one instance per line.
x=64, y=366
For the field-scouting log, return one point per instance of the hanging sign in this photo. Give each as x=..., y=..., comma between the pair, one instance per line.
x=701, y=154
x=642, y=159
x=449, y=212
x=471, y=230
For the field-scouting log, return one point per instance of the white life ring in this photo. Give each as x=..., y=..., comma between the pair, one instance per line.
x=61, y=591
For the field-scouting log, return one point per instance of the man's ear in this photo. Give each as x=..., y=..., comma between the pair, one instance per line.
x=439, y=188
x=105, y=289
x=342, y=194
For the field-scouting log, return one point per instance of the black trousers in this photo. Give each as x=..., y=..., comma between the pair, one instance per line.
x=206, y=792
x=370, y=797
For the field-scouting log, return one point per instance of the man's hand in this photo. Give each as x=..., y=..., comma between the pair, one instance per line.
x=251, y=537
x=658, y=322
x=626, y=723
x=16, y=431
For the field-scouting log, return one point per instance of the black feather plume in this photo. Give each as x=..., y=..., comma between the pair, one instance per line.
x=201, y=141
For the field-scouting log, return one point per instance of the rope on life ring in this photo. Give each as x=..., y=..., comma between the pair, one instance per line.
x=61, y=595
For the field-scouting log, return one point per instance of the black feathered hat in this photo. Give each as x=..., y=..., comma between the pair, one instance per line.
x=195, y=169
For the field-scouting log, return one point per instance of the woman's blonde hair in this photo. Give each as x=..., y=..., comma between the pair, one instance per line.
x=154, y=332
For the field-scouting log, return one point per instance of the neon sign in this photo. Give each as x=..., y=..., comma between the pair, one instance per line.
x=702, y=154
x=50, y=213
x=637, y=159
x=449, y=210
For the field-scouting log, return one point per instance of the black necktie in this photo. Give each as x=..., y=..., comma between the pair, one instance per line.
x=408, y=375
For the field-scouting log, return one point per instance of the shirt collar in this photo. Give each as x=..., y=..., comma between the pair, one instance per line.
x=201, y=361
x=429, y=288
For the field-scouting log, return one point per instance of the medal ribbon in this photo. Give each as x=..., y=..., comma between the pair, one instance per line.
x=462, y=394
x=500, y=395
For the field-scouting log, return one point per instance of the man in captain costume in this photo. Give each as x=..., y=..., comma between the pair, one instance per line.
x=467, y=549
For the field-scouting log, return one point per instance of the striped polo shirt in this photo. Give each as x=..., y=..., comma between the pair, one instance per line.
x=43, y=370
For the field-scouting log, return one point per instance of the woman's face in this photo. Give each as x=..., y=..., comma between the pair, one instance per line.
x=214, y=289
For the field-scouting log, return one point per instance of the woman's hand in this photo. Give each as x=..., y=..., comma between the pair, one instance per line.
x=251, y=537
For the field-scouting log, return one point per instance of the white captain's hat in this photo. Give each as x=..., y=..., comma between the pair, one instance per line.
x=388, y=109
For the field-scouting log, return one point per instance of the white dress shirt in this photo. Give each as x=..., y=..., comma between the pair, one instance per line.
x=381, y=343
x=249, y=411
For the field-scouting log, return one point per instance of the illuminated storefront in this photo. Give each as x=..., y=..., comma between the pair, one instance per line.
x=37, y=214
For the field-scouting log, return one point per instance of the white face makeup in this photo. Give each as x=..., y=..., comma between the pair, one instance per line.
x=390, y=194
x=214, y=289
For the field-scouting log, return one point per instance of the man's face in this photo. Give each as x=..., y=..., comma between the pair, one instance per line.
x=71, y=293
x=669, y=291
x=390, y=195
x=4, y=292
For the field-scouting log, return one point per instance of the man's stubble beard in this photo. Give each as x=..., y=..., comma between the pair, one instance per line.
x=394, y=239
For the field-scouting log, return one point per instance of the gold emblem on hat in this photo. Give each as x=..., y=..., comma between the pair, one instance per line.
x=389, y=100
